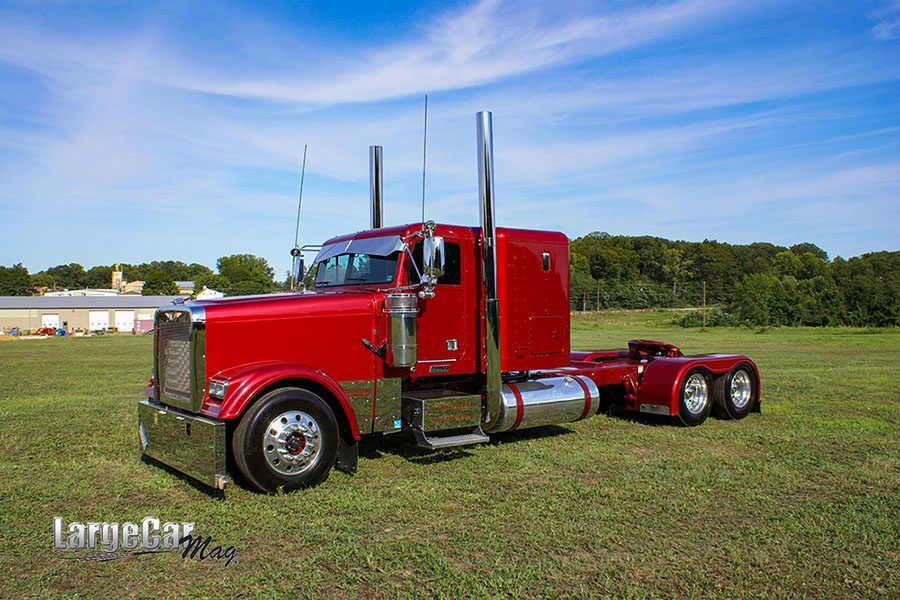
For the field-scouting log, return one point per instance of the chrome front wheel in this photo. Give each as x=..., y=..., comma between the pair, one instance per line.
x=287, y=439
x=292, y=444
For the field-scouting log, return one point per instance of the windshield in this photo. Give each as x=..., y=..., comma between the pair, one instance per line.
x=356, y=269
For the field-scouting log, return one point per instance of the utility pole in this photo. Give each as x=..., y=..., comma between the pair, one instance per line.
x=599, y=305
x=704, y=304
x=584, y=302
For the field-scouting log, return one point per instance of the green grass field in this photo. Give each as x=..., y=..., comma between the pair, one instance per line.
x=803, y=499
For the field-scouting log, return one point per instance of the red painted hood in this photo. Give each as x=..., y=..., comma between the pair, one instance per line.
x=320, y=329
x=288, y=305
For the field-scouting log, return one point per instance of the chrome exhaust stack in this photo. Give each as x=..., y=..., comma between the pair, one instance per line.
x=376, y=208
x=492, y=388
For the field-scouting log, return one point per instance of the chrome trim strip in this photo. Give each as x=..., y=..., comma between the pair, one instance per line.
x=387, y=405
x=654, y=409
x=361, y=404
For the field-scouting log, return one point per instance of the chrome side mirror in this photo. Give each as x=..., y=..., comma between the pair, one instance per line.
x=432, y=260
x=297, y=273
x=433, y=254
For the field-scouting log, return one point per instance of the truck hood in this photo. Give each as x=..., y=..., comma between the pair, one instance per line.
x=287, y=306
x=321, y=330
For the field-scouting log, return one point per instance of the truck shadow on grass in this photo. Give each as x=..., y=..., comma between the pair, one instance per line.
x=405, y=447
x=215, y=494
x=619, y=413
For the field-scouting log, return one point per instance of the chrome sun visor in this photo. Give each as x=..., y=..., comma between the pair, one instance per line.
x=374, y=246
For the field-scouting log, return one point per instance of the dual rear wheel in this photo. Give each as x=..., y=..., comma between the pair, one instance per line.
x=730, y=395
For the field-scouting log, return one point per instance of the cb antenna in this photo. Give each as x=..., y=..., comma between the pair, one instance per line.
x=424, y=157
x=295, y=251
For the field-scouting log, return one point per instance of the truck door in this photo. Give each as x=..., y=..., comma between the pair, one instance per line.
x=445, y=322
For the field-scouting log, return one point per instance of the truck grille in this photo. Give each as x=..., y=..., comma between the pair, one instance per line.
x=174, y=357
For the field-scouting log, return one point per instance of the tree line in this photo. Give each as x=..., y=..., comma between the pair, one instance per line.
x=235, y=275
x=755, y=284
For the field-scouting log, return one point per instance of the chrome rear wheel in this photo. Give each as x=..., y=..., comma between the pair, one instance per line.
x=741, y=389
x=735, y=392
x=696, y=394
x=694, y=402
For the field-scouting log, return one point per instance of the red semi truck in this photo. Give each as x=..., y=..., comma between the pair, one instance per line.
x=451, y=333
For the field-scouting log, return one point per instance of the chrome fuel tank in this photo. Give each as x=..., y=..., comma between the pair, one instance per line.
x=402, y=347
x=546, y=402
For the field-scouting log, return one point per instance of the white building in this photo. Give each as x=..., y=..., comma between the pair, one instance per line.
x=208, y=294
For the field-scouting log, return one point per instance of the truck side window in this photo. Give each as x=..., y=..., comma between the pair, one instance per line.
x=452, y=266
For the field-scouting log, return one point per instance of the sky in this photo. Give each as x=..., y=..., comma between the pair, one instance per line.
x=138, y=131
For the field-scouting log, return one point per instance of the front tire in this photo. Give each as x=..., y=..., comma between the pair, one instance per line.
x=287, y=439
x=735, y=392
x=694, y=399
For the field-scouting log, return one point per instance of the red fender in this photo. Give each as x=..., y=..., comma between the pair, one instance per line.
x=661, y=380
x=247, y=381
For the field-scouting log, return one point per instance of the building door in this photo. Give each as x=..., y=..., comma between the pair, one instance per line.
x=50, y=321
x=98, y=320
x=125, y=321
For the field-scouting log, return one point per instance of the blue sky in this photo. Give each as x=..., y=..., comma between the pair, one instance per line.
x=141, y=131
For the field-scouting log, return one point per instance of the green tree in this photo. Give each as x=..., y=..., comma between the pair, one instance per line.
x=15, y=281
x=43, y=280
x=133, y=272
x=715, y=263
x=159, y=283
x=788, y=264
x=784, y=305
x=99, y=277
x=71, y=276
x=871, y=288
x=821, y=302
x=813, y=266
x=756, y=257
x=195, y=271
x=677, y=266
x=611, y=263
x=804, y=247
x=753, y=296
x=579, y=263
x=245, y=274
x=651, y=253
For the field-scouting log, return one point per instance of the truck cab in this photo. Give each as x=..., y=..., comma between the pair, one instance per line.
x=449, y=333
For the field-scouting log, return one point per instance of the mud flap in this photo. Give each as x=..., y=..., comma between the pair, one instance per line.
x=348, y=455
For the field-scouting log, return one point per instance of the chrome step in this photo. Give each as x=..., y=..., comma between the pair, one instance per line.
x=476, y=436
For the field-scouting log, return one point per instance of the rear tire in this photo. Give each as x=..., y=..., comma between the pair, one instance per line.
x=287, y=439
x=694, y=399
x=735, y=392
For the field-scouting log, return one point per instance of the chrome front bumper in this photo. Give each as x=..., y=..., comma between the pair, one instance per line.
x=188, y=443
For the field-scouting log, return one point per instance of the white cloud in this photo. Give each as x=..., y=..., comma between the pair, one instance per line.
x=486, y=42
x=888, y=22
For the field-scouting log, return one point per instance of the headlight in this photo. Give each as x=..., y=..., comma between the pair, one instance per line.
x=217, y=388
